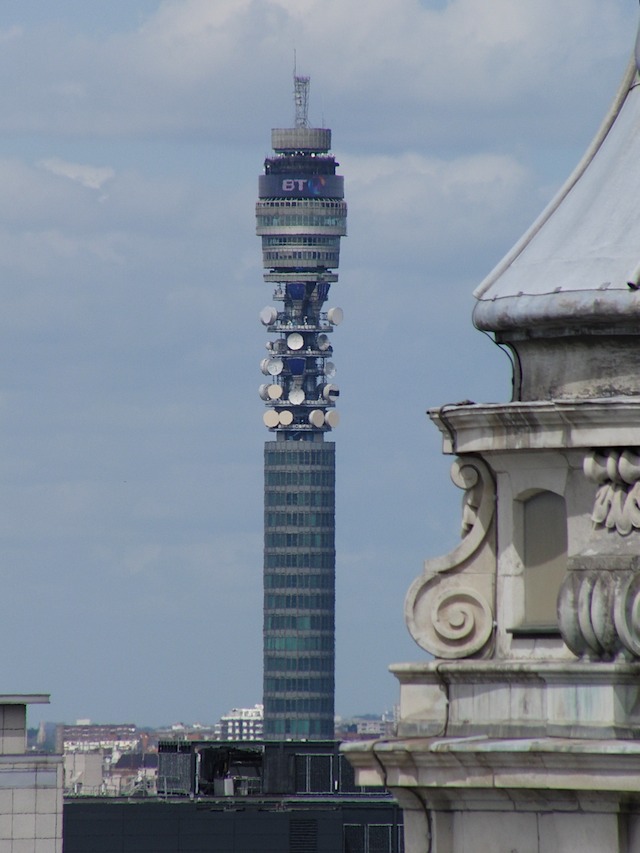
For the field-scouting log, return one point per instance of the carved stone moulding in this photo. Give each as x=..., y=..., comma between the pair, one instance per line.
x=617, y=473
x=449, y=609
x=599, y=601
x=599, y=611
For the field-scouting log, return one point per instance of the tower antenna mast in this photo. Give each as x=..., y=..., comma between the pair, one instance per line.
x=300, y=96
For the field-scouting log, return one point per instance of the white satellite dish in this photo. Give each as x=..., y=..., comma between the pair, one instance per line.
x=269, y=345
x=274, y=392
x=332, y=418
x=323, y=342
x=285, y=417
x=329, y=369
x=330, y=392
x=295, y=341
x=275, y=366
x=263, y=391
x=335, y=316
x=268, y=315
x=264, y=365
x=271, y=419
x=296, y=396
x=316, y=418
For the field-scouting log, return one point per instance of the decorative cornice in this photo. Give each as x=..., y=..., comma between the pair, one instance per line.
x=461, y=771
x=547, y=425
x=574, y=309
x=577, y=673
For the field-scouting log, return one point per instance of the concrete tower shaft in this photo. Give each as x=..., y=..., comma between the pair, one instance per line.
x=300, y=216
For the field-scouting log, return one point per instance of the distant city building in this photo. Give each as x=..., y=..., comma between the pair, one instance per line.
x=109, y=760
x=43, y=738
x=366, y=726
x=85, y=736
x=92, y=774
x=301, y=216
x=182, y=731
x=84, y=773
x=241, y=724
x=134, y=774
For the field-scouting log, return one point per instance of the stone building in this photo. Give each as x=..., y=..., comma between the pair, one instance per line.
x=30, y=784
x=521, y=736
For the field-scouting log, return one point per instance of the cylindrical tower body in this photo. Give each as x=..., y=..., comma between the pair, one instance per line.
x=299, y=589
x=301, y=215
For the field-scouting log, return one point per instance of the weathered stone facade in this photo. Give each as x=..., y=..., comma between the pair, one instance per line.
x=522, y=734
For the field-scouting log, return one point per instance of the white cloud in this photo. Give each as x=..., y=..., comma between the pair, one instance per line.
x=398, y=75
x=92, y=177
x=413, y=209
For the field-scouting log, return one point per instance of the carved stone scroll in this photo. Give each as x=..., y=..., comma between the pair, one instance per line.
x=449, y=609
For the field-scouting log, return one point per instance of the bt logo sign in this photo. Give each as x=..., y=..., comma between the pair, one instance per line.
x=311, y=186
x=292, y=184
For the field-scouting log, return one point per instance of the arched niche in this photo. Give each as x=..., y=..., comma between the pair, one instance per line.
x=541, y=540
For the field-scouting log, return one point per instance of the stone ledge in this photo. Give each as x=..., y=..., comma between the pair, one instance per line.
x=503, y=699
x=548, y=425
x=466, y=773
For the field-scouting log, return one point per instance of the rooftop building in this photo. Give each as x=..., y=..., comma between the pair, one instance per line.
x=86, y=736
x=30, y=784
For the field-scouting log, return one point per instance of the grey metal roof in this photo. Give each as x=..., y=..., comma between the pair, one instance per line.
x=574, y=264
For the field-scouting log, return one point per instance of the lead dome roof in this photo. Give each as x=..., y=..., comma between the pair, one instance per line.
x=574, y=264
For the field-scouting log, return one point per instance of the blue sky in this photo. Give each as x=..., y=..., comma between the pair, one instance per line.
x=131, y=138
